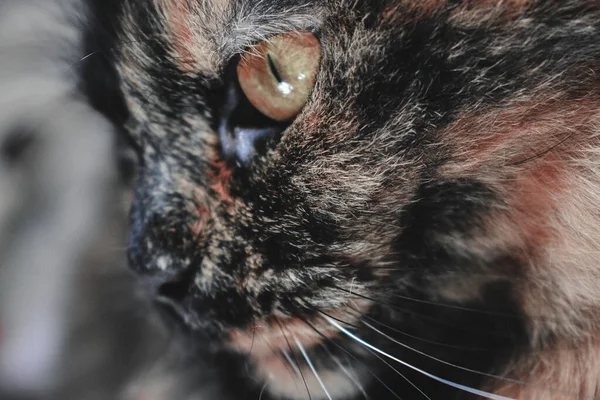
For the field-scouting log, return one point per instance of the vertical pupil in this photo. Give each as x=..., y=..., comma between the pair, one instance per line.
x=274, y=69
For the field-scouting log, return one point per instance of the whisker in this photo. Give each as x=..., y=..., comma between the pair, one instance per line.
x=93, y=53
x=424, y=317
x=351, y=355
x=451, y=346
x=332, y=317
x=291, y=372
x=262, y=391
x=502, y=378
x=247, y=363
x=291, y=362
x=543, y=153
x=399, y=373
x=115, y=47
x=346, y=372
x=442, y=380
x=253, y=336
x=468, y=309
x=312, y=367
x=293, y=355
x=457, y=347
x=393, y=265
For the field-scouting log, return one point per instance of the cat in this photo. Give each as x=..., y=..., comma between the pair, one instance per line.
x=375, y=199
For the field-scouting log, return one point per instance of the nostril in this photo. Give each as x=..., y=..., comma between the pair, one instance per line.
x=175, y=300
x=176, y=291
x=177, y=288
x=170, y=298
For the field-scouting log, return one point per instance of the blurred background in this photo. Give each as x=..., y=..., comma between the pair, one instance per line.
x=72, y=325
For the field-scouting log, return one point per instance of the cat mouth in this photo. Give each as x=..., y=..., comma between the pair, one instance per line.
x=279, y=334
x=287, y=353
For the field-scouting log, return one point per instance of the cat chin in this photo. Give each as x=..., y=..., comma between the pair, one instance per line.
x=278, y=350
x=281, y=381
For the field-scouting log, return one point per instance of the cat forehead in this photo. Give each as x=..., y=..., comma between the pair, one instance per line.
x=199, y=38
x=204, y=33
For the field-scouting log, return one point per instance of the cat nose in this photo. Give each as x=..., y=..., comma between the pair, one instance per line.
x=163, y=248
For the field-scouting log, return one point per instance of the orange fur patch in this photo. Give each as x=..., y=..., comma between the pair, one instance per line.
x=267, y=337
x=181, y=35
x=515, y=137
x=187, y=23
x=541, y=157
x=522, y=152
x=221, y=180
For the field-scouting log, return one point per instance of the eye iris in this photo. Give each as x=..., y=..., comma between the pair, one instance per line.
x=278, y=75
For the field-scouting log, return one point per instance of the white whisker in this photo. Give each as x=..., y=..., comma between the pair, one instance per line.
x=296, y=363
x=449, y=363
x=347, y=373
x=262, y=391
x=291, y=362
x=401, y=374
x=310, y=364
x=442, y=380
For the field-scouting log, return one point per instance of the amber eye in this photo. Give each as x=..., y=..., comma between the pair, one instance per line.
x=278, y=75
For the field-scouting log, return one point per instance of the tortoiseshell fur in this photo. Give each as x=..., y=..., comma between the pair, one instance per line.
x=441, y=185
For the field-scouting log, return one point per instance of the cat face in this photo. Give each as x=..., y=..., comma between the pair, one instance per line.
x=407, y=183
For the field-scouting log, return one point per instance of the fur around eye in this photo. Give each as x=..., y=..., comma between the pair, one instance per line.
x=278, y=75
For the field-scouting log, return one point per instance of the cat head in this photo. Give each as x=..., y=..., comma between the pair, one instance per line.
x=403, y=177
